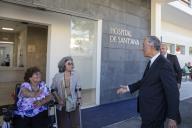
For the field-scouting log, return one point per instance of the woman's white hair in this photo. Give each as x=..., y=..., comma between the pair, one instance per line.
x=61, y=64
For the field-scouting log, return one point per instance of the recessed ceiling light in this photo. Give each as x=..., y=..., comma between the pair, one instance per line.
x=9, y=29
x=6, y=42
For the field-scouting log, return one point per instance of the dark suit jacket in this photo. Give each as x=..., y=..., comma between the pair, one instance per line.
x=174, y=61
x=158, y=92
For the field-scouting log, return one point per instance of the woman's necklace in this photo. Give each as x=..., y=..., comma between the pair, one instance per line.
x=67, y=77
x=34, y=87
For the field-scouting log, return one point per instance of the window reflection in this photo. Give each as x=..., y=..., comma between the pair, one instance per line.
x=6, y=51
x=190, y=51
x=82, y=36
x=180, y=49
x=83, y=49
x=12, y=40
x=170, y=48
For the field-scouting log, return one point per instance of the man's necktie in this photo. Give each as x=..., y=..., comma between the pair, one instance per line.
x=147, y=68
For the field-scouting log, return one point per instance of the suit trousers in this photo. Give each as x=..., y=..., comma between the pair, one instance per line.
x=152, y=124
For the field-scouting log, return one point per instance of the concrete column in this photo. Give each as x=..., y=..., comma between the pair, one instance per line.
x=156, y=18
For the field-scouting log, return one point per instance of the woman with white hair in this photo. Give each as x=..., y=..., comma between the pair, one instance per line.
x=67, y=86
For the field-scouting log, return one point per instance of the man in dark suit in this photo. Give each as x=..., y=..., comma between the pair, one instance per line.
x=158, y=92
x=174, y=61
x=177, y=69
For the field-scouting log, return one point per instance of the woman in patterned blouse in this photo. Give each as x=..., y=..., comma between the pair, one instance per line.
x=31, y=110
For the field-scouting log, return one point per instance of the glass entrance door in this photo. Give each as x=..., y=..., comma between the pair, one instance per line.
x=83, y=47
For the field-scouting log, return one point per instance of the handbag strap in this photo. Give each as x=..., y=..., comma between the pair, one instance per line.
x=65, y=92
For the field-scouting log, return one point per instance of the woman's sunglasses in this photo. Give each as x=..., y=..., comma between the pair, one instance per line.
x=69, y=63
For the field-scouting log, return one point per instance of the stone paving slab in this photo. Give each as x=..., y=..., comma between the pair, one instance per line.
x=130, y=123
x=135, y=122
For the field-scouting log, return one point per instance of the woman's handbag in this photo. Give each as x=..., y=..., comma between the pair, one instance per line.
x=70, y=104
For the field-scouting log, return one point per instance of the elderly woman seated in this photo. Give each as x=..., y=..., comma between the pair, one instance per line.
x=31, y=110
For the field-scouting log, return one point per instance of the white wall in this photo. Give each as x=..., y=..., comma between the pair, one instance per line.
x=58, y=35
x=175, y=34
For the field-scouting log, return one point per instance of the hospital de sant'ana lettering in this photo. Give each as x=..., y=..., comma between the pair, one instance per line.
x=122, y=38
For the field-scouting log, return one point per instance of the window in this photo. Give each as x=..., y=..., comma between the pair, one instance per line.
x=180, y=49
x=190, y=51
x=6, y=52
x=84, y=52
x=170, y=48
x=11, y=47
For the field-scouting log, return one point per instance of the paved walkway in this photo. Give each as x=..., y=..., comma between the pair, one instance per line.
x=185, y=109
x=186, y=90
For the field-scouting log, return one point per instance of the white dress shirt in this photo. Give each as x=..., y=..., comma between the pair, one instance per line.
x=154, y=58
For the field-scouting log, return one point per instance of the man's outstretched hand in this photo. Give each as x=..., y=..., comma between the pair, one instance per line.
x=172, y=123
x=122, y=89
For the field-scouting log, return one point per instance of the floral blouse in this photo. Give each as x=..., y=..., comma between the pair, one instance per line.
x=25, y=106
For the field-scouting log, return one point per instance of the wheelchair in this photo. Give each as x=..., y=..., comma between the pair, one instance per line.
x=7, y=112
